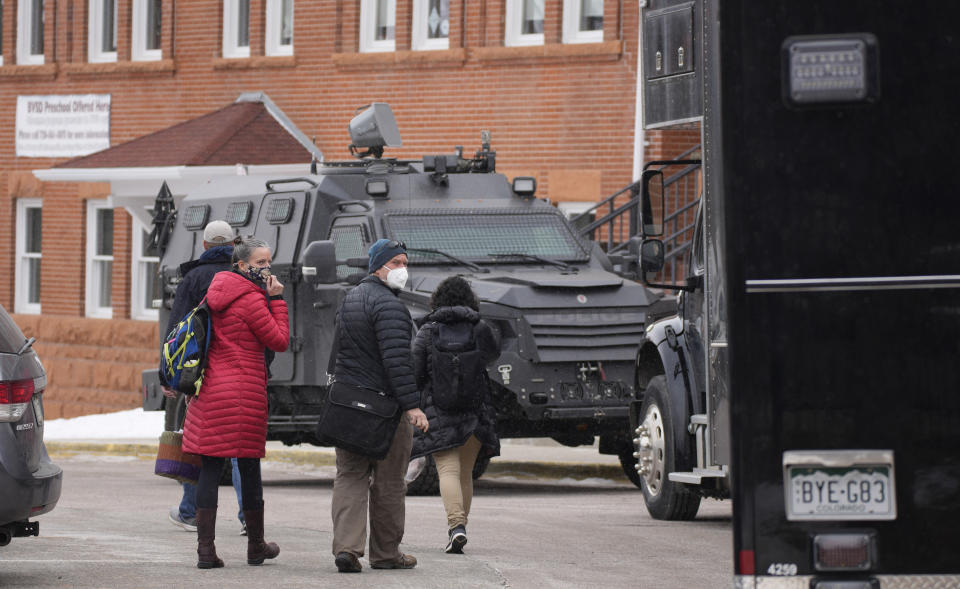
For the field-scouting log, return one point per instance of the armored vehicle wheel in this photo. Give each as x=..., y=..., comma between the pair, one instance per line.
x=175, y=410
x=428, y=483
x=658, y=455
x=629, y=465
x=226, y=474
x=480, y=467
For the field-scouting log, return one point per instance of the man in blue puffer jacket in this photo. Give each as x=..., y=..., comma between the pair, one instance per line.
x=373, y=351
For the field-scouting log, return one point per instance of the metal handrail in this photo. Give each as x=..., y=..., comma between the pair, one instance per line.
x=678, y=224
x=681, y=221
x=615, y=213
x=672, y=217
x=633, y=186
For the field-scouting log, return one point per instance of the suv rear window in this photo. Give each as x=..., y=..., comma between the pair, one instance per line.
x=11, y=338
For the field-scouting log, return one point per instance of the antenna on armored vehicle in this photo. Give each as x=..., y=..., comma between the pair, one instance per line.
x=164, y=217
x=485, y=160
x=374, y=129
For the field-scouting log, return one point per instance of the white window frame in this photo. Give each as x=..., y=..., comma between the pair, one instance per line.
x=368, y=24
x=274, y=19
x=138, y=269
x=571, y=25
x=514, y=24
x=95, y=34
x=138, y=40
x=20, y=304
x=420, y=37
x=25, y=35
x=94, y=274
x=231, y=16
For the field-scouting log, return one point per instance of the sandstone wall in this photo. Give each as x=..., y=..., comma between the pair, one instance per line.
x=93, y=365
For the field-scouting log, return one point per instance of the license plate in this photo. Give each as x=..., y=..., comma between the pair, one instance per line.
x=839, y=485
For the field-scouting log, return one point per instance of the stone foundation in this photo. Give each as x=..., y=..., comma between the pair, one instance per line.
x=93, y=365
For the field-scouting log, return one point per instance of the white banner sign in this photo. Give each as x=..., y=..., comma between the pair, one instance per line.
x=62, y=125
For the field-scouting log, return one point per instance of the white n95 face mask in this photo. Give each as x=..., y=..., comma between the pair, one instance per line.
x=396, y=278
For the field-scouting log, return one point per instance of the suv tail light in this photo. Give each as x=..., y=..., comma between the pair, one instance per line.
x=14, y=396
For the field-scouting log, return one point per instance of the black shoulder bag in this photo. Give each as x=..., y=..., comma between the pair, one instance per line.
x=357, y=419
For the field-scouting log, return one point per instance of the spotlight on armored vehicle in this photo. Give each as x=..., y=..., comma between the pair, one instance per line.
x=374, y=128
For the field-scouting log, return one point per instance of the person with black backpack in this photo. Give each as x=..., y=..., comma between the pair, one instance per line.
x=451, y=353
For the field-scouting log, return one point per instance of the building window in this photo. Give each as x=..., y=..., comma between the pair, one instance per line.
x=146, y=287
x=147, y=27
x=1, y=32
x=30, y=32
x=27, y=271
x=236, y=28
x=102, y=39
x=377, y=20
x=582, y=21
x=99, y=259
x=279, y=27
x=431, y=24
x=524, y=22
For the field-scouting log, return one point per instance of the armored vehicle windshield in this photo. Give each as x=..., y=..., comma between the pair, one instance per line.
x=485, y=235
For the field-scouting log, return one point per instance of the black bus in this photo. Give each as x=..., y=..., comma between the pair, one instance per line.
x=831, y=287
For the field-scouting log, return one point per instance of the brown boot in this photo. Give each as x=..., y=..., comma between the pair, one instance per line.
x=206, y=532
x=257, y=549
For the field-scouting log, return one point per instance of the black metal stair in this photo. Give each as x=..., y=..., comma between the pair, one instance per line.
x=615, y=219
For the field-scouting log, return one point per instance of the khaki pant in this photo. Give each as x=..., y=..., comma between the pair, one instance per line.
x=363, y=481
x=455, y=469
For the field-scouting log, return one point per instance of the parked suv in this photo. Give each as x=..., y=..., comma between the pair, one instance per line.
x=29, y=482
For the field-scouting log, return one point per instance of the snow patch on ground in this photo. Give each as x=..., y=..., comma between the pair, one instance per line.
x=135, y=423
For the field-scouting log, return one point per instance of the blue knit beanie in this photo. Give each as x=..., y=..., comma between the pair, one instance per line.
x=380, y=254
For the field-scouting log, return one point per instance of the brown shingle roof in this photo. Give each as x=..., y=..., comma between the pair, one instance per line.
x=242, y=132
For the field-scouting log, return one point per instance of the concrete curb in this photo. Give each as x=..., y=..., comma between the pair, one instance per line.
x=525, y=470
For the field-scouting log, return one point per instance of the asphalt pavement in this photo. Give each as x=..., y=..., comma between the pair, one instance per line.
x=527, y=530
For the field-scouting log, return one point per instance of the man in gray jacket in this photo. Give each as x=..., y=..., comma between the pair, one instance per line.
x=375, y=331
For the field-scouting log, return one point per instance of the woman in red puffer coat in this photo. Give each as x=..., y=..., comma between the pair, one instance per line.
x=228, y=418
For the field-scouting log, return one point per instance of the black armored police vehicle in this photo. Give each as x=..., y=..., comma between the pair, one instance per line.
x=567, y=369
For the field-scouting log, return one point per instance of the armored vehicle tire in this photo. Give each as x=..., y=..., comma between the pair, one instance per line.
x=665, y=499
x=428, y=483
x=226, y=475
x=175, y=410
x=629, y=465
x=480, y=467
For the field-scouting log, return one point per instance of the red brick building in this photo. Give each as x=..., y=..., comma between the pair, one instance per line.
x=553, y=80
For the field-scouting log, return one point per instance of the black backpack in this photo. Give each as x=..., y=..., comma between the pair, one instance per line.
x=459, y=376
